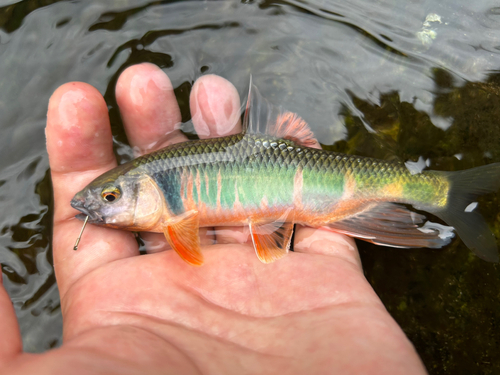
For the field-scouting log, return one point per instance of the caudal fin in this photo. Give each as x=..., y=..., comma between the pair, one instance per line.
x=461, y=214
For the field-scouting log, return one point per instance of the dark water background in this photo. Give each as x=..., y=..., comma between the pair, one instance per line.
x=371, y=77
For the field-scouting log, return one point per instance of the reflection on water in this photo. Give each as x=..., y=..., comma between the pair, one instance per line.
x=388, y=79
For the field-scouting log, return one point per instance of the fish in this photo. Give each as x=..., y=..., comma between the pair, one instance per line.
x=272, y=180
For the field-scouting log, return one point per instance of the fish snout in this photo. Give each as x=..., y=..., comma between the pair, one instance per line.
x=80, y=203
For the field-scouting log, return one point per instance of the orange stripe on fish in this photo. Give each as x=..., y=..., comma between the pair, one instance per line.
x=207, y=184
x=349, y=186
x=237, y=206
x=219, y=190
x=190, y=204
x=298, y=184
x=264, y=204
x=182, y=191
x=197, y=182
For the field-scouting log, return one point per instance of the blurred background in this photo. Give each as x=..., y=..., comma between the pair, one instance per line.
x=392, y=79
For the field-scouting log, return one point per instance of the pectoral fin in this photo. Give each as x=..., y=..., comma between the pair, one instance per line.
x=183, y=235
x=271, y=240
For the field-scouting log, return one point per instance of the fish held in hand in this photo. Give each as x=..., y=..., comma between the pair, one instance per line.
x=271, y=180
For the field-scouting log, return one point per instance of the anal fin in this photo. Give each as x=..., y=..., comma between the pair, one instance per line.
x=271, y=240
x=182, y=234
x=391, y=224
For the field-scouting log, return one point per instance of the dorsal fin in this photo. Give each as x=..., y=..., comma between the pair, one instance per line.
x=263, y=117
x=246, y=116
x=291, y=126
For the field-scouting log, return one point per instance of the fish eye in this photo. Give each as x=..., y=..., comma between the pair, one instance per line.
x=110, y=193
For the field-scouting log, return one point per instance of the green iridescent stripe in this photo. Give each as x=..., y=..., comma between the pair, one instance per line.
x=252, y=183
x=259, y=166
x=321, y=186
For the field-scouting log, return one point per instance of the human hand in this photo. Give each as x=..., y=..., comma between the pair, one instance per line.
x=310, y=312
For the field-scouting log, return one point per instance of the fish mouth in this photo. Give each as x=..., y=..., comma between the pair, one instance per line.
x=94, y=217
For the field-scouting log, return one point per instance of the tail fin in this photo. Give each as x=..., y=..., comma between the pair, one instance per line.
x=472, y=229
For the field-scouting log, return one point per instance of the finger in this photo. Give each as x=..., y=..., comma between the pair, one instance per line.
x=215, y=107
x=10, y=344
x=306, y=240
x=79, y=144
x=215, y=110
x=156, y=242
x=151, y=117
x=149, y=108
x=233, y=235
x=325, y=242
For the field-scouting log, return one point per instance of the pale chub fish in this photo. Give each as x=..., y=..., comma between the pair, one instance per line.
x=272, y=181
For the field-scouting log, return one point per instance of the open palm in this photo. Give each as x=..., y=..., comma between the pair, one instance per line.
x=311, y=312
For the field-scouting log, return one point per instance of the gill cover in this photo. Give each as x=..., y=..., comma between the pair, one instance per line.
x=148, y=205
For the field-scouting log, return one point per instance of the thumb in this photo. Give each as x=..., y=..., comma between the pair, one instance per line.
x=10, y=344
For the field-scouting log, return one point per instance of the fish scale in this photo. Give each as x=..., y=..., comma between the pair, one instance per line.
x=266, y=153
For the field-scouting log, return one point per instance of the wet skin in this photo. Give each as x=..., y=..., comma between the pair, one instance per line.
x=310, y=312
